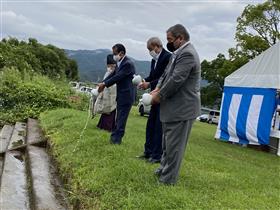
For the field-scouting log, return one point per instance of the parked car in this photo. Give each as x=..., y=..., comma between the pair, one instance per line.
x=143, y=109
x=76, y=85
x=85, y=89
x=213, y=117
x=203, y=118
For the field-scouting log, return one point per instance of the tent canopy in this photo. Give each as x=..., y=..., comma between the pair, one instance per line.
x=263, y=71
x=249, y=100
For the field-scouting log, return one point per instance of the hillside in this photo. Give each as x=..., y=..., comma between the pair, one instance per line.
x=92, y=64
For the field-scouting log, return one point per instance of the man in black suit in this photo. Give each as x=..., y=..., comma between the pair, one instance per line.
x=153, y=144
x=122, y=76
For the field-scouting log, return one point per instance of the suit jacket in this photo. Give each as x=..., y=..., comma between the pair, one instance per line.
x=180, y=87
x=157, y=71
x=123, y=76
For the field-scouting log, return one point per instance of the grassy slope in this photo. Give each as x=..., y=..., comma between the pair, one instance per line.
x=214, y=175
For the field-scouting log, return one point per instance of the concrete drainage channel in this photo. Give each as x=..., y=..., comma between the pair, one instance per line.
x=28, y=180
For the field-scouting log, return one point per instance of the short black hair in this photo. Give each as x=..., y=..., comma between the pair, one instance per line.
x=110, y=59
x=179, y=30
x=119, y=48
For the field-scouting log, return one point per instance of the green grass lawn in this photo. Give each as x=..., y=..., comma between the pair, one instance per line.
x=214, y=174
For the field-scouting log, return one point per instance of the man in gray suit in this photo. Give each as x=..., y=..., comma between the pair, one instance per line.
x=178, y=92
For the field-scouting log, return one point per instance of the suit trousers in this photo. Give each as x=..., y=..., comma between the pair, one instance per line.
x=175, y=139
x=153, y=144
x=121, y=119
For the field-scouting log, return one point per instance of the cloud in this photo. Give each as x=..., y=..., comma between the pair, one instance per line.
x=92, y=25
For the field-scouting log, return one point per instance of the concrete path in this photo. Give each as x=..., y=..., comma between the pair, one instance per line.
x=28, y=179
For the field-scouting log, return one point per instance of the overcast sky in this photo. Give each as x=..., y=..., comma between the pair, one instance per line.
x=89, y=24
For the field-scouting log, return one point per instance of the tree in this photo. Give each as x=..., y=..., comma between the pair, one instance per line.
x=72, y=70
x=214, y=72
x=33, y=57
x=258, y=27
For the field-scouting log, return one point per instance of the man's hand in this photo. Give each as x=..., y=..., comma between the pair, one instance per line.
x=155, y=91
x=144, y=85
x=155, y=98
x=101, y=87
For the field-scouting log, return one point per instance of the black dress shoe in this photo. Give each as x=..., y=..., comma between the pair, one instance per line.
x=117, y=142
x=165, y=183
x=143, y=157
x=152, y=160
x=112, y=141
x=158, y=172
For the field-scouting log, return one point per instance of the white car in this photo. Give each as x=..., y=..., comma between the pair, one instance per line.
x=213, y=117
x=203, y=118
x=143, y=109
x=85, y=89
x=76, y=85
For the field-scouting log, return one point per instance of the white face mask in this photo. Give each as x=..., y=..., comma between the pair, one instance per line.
x=154, y=55
x=109, y=69
x=116, y=58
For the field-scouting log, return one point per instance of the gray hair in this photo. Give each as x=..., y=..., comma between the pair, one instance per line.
x=154, y=41
x=179, y=30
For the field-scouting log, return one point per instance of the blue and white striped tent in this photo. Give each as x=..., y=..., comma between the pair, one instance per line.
x=249, y=100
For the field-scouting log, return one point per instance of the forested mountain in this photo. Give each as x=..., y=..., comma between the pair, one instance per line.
x=92, y=64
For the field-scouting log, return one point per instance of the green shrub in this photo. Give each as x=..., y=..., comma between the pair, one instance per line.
x=79, y=101
x=25, y=95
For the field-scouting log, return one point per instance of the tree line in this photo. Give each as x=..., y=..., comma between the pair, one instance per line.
x=32, y=57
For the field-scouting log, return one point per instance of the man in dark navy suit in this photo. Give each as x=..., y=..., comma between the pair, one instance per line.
x=122, y=76
x=153, y=144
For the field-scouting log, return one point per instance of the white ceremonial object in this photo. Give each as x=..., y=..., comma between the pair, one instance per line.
x=137, y=79
x=147, y=99
x=94, y=92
